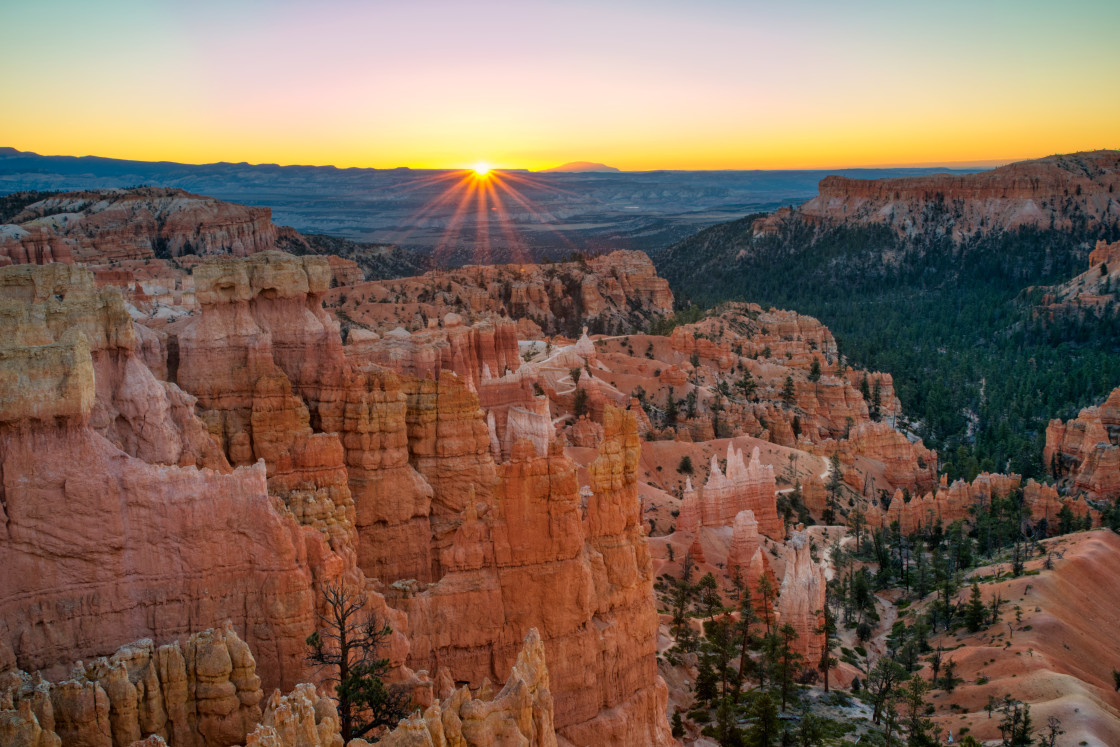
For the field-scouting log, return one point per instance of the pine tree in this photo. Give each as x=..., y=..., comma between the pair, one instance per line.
x=786, y=662
x=678, y=725
x=1015, y=727
x=976, y=613
x=920, y=727
x=766, y=726
x=708, y=589
x=827, y=628
x=815, y=370
x=789, y=393
x=747, y=618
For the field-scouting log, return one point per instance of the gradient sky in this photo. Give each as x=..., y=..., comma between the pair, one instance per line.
x=704, y=84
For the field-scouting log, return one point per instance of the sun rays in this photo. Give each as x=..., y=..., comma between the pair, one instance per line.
x=486, y=206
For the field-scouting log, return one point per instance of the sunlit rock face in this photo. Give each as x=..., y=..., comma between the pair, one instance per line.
x=114, y=225
x=246, y=437
x=1050, y=192
x=613, y=293
x=508, y=550
x=120, y=507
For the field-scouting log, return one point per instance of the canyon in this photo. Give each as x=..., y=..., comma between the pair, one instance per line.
x=199, y=433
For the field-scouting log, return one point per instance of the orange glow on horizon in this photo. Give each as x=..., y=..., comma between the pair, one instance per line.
x=748, y=86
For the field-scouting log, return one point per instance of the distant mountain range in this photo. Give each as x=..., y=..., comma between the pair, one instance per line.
x=579, y=166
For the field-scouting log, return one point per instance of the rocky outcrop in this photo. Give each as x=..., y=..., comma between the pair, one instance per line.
x=617, y=293
x=1084, y=454
x=1053, y=192
x=1093, y=291
x=32, y=245
x=339, y=466
x=344, y=271
x=101, y=543
x=802, y=598
x=516, y=539
x=201, y=694
x=959, y=502
x=744, y=487
x=482, y=351
x=900, y=462
x=120, y=224
x=746, y=561
x=521, y=713
x=302, y=718
x=54, y=319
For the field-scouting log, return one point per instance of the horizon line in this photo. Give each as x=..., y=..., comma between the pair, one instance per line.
x=953, y=164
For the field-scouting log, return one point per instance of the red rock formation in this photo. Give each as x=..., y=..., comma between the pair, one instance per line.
x=611, y=293
x=344, y=271
x=1085, y=453
x=360, y=468
x=905, y=464
x=802, y=598
x=145, y=418
x=749, y=330
x=688, y=520
x=522, y=713
x=302, y=718
x=482, y=351
x=815, y=496
x=133, y=224
x=745, y=558
x=586, y=433
x=1047, y=192
x=688, y=342
x=538, y=543
x=1093, y=290
x=744, y=487
x=33, y=244
x=957, y=502
x=88, y=528
x=205, y=692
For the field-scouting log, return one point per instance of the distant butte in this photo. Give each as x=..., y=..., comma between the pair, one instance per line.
x=583, y=166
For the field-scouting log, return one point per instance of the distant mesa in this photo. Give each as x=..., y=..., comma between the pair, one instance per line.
x=583, y=166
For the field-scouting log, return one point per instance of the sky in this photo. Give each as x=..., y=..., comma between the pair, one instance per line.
x=704, y=84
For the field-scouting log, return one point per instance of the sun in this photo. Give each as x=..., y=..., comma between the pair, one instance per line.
x=481, y=168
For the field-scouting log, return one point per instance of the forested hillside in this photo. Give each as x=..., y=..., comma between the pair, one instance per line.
x=977, y=369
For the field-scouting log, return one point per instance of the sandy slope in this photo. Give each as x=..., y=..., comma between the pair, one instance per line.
x=1059, y=658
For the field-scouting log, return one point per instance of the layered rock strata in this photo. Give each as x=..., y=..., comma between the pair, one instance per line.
x=1052, y=192
x=521, y=713
x=92, y=496
x=119, y=224
x=744, y=487
x=515, y=544
x=1084, y=453
x=201, y=694
x=617, y=292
